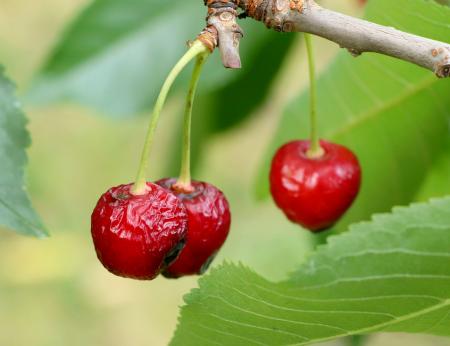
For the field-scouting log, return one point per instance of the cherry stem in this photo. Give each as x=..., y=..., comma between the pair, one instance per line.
x=184, y=181
x=315, y=150
x=140, y=186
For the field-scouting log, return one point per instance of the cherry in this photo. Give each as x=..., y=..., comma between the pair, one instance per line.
x=209, y=221
x=137, y=236
x=314, y=192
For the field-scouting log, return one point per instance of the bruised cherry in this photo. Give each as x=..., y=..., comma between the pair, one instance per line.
x=209, y=221
x=314, y=192
x=137, y=236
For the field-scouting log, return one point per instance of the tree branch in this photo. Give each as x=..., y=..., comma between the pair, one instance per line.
x=356, y=35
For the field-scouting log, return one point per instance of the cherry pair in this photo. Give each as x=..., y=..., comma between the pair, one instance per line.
x=174, y=226
x=162, y=230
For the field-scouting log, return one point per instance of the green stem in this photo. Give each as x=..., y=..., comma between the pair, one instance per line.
x=140, y=185
x=315, y=150
x=184, y=181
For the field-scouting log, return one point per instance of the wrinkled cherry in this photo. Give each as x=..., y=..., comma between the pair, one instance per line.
x=209, y=221
x=314, y=192
x=137, y=236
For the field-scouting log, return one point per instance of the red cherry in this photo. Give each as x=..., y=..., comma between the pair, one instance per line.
x=209, y=221
x=137, y=236
x=314, y=192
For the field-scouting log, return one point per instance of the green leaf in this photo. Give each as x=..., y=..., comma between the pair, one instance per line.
x=16, y=212
x=394, y=115
x=116, y=54
x=391, y=274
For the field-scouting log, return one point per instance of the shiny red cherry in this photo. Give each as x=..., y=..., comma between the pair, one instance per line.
x=314, y=192
x=137, y=236
x=209, y=221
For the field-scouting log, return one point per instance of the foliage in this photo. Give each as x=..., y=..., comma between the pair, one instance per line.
x=390, y=274
x=116, y=54
x=15, y=208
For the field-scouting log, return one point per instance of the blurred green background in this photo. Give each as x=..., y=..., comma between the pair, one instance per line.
x=54, y=291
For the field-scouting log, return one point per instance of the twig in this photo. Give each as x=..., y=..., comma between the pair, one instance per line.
x=221, y=21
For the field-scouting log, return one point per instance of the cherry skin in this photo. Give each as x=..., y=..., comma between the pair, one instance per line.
x=137, y=236
x=209, y=222
x=314, y=192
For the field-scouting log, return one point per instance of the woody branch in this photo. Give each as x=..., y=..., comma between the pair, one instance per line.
x=356, y=35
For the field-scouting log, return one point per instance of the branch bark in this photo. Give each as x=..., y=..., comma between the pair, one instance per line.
x=223, y=30
x=356, y=35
